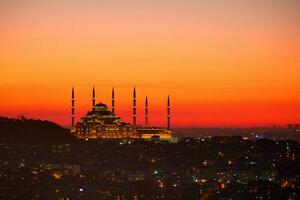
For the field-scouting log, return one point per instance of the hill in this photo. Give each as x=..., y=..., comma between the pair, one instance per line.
x=31, y=131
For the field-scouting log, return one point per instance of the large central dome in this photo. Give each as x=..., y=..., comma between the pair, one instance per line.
x=103, y=115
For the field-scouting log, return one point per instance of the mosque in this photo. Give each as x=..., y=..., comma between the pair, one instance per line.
x=101, y=122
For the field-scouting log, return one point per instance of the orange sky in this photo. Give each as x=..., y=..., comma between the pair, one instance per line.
x=224, y=63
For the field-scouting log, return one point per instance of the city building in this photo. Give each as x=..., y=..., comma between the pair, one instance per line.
x=102, y=122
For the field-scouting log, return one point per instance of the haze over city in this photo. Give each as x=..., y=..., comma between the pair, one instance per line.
x=224, y=63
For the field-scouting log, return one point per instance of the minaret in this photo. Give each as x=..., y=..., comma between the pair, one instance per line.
x=146, y=112
x=113, y=100
x=94, y=98
x=73, y=108
x=169, y=113
x=134, y=107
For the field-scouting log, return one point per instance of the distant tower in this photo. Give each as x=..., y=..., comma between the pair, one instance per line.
x=113, y=101
x=169, y=113
x=146, y=111
x=134, y=107
x=94, y=98
x=73, y=108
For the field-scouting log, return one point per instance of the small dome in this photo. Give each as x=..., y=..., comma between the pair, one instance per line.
x=101, y=105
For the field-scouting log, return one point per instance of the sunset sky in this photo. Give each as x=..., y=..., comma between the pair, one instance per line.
x=232, y=63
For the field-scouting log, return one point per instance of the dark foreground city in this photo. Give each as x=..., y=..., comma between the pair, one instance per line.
x=228, y=167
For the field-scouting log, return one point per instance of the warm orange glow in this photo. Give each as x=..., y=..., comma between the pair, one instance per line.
x=56, y=175
x=222, y=186
x=224, y=64
x=160, y=184
x=160, y=135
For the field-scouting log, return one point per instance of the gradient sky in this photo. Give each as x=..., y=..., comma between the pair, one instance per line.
x=224, y=63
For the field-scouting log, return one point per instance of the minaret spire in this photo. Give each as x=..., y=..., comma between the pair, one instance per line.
x=94, y=99
x=169, y=113
x=113, y=100
x=146, y=112
x=73, y=108
x=134, y=107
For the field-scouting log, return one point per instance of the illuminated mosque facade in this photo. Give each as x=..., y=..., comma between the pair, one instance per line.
x=102, y=122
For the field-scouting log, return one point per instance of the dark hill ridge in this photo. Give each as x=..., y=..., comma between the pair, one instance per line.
x=31, y=131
